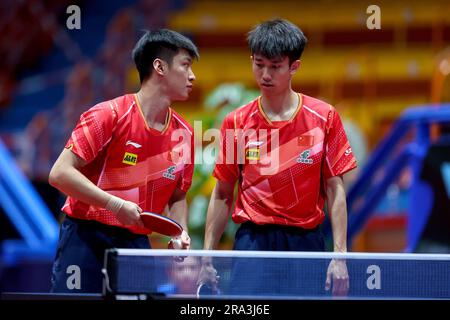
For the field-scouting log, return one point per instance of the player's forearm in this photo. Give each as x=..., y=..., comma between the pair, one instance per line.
x=217, y=217
x=72, y=182
x=337, y=208
x=339, y=227
x=178, y=211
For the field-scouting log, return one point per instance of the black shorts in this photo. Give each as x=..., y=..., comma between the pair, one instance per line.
x=268, y=277
x=80, y=254
x=272, y=237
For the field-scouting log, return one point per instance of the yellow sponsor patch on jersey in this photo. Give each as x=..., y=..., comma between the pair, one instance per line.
x=252, y=154
x=130, y=158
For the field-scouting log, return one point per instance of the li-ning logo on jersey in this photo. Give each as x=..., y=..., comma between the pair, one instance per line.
x=134, y=144
x=254, y=144
x=169, y=174
x=130, y=158
x=348, y=151
x=304, y=157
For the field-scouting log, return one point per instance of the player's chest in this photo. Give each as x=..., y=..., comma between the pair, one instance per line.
x=265, y=150
x=132, y=146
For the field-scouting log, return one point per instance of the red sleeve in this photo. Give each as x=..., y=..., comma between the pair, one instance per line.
x=92, y=132
x=227, y=168
x=188, y=171
x=339, y=157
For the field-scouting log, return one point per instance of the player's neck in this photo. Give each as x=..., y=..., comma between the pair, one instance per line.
x=154, y=105
x=280, y=107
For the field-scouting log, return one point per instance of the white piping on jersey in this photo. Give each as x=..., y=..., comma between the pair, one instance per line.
x=128, y=111
x=83, y=124
x=328, y=161
x=111, y=106
x=105, y=143
x=312, y=111
x=179, y=120
x=254, y=113
x=104, y=164
x=295, y=190
x=102, y=173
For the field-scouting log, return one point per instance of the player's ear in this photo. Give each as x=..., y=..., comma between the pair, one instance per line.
x=159, y=66
x=294, y=66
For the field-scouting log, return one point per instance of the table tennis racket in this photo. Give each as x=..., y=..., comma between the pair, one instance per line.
x=161, y=224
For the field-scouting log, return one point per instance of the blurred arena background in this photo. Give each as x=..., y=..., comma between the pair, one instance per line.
x=50, y=74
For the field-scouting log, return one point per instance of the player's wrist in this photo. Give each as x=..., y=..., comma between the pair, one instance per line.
x=114, y=204
x=206, y=261
x=340, y=250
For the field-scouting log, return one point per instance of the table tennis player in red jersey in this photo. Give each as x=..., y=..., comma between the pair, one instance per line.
x=125, y=156
x=281, y=192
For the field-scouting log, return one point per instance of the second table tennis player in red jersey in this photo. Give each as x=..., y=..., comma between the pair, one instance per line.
x=125, y=156
x=282, y=192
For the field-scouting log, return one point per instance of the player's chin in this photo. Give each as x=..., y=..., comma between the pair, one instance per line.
x=182, y=97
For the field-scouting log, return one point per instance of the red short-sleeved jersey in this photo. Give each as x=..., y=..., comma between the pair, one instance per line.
x=130, y=160
x=281, y=166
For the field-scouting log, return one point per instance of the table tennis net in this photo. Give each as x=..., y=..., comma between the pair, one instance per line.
x=277, y=275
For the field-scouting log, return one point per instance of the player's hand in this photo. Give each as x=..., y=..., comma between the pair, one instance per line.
x=185, y=240
x=338, y=275
x=181, y=242
x=129, y=214
x=208, y=275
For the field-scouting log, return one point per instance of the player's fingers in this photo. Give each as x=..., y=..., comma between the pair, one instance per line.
x=328, y=282
x=336, y=288
x=340, y=287
x=342, y=291
x=186, y=243
x=138, y=222
x=205, y=279
x=185, y=236
x=214, y=282
x=185, y=239
x=215, y=279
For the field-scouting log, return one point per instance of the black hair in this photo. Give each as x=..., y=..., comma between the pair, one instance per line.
x=277, y=38
x=163, y=44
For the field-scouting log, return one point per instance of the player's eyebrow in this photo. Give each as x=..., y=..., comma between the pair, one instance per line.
x=187, y=59
x=274, y=60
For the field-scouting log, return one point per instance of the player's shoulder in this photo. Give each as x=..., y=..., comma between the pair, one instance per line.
x=180, y=121
x=316, y=106
x=242, y=113
x=117, y=106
